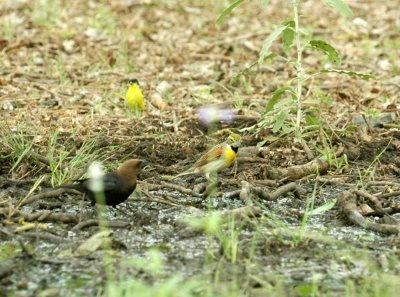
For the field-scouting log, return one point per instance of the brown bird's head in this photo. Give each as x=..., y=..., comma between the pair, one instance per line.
x=130, y=169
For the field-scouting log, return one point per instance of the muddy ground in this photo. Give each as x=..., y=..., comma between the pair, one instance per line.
x=311, y=218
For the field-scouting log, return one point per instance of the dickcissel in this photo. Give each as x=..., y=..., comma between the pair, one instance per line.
x=217, y=158
x=134, y=96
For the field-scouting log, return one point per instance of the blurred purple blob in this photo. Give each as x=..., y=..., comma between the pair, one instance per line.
x=211, y=114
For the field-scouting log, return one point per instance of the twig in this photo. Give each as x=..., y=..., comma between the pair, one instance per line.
x=265, y=182
x=175, y=122
x=309, y=153
x=151, y=198
x=39, y=157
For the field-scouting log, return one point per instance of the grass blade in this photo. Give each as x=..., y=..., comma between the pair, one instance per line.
x=340, y=6
x=227, y=11
x=268, y=42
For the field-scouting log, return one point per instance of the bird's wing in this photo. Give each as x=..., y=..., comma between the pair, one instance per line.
x=212, y=155
x=111, y=181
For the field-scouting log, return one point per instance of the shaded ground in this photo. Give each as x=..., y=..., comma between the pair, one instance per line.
x=64, y=72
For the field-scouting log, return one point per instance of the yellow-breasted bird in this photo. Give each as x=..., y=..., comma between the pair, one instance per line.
x=217, y=158
x=134, y=96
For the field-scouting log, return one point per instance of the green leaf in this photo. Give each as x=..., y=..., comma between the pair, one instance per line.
x=264, y=2
x=227, y=11
x=351, y=73
x=279, y=121
x=323, y=208
x=268, y=139
x=285, y=102
x=288, y=35
x=340, y=6
x=271, y=56
x=327, y=49
x=287, y=130
x=276, y=95
x=268, y=42
x=312, y=120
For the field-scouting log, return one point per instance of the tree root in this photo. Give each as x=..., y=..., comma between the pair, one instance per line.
x=44, y=236
x=163, y=185
x=297, y=172
x=348, y=202
x=40, y=216
x=281, y=191
x=94, y=222
x=243, y=212
x=48, y=194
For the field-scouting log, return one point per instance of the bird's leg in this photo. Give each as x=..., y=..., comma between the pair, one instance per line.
x=234, y=169
x=212, y=181
x=120, y=210
x=129, y=207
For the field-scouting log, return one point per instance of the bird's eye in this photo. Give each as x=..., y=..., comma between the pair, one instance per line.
x=133, y=81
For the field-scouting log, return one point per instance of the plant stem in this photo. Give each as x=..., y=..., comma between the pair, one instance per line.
x=299, y=68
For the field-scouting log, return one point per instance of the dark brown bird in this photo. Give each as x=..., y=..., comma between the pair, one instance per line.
x=118, y=185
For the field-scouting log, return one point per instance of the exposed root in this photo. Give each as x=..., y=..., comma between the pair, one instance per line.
x=281, y=191
x=377, y=206
x=48, y=194
x=44, y=236
x=252, y=160
x=243, y=212
x=94, y=222
x=40, y=216
x=388, y=195
x=162, y=185
x=348, y=202
x=299, y=171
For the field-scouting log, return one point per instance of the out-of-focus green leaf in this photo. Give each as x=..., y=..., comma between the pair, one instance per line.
x=288, y=35
x=264, y=2
x=227, y=11
x=323, y=208
x=340, y=6
x=327, y=49
x=271, y=56
x=351, y=73
x=276, y=96
x=312, y=120
x=268, y=42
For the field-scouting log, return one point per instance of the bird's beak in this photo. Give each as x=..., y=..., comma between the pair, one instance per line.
x=144, y=163
x=237, y=143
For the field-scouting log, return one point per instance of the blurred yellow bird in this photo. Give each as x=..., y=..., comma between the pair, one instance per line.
x=134, y=97
x=217, y=158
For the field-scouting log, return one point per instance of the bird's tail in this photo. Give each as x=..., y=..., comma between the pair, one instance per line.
x=187, y=172
x=78, y=186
